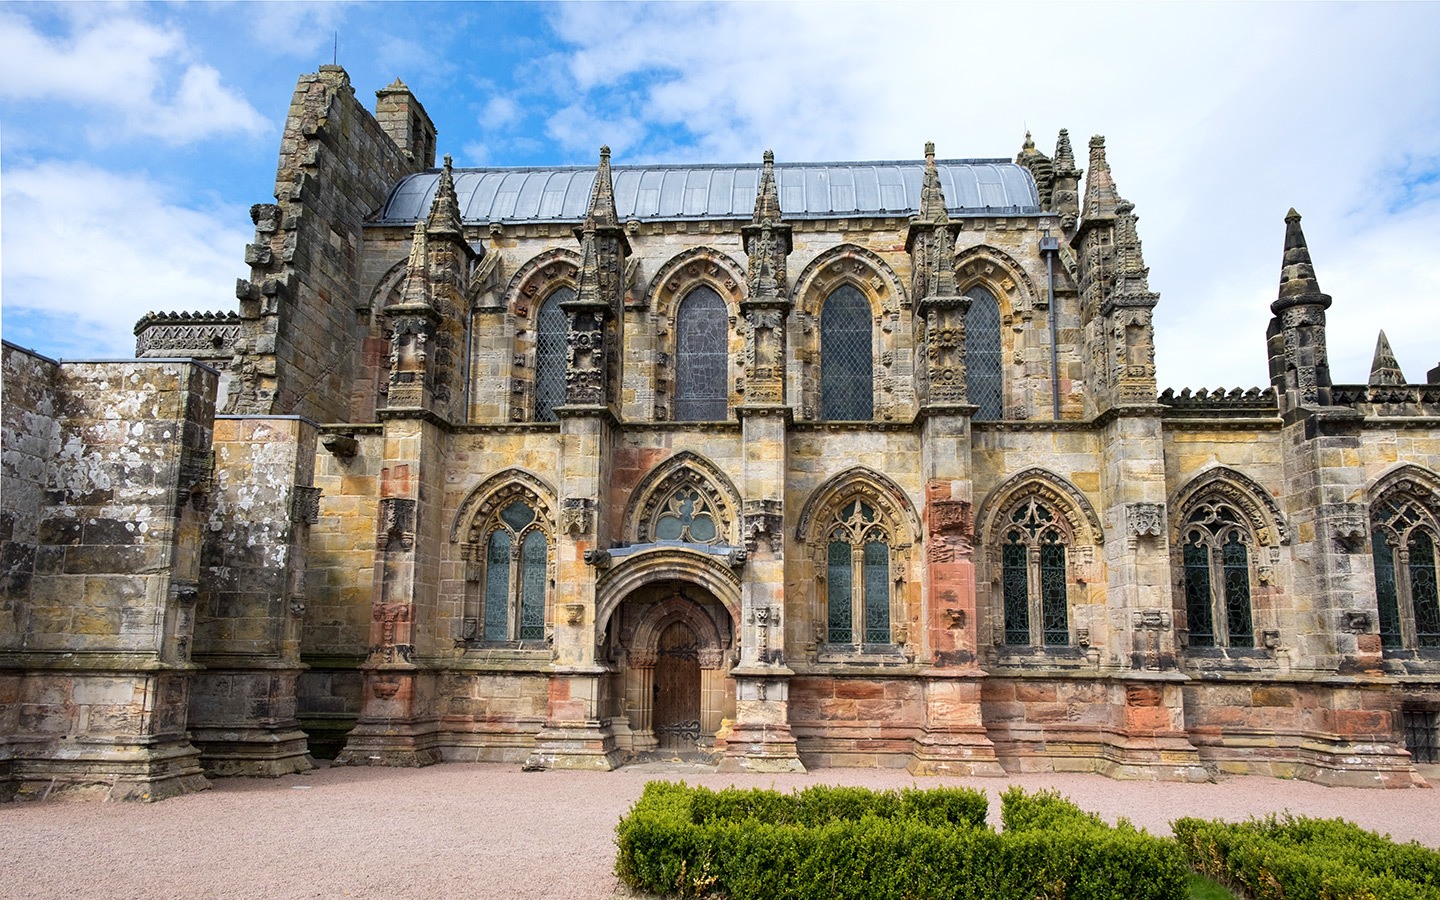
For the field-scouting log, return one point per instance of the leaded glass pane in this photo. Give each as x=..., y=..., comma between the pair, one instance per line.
x=877, y=592
x=532, y=587
x=702, y=528
x=1015, y=586
x=847, y=390
x=1197, y=596
x=838, y=593
x=1387, y=600
x=1237, y=592
x=1052, y=594
x=983, y=378
x=668, y=528
x=701, y=358
x=551, y=330
x=497, y=587
x=517, y=515
x=1423, y=591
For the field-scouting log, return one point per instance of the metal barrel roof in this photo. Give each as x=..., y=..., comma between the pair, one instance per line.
x=807, y=191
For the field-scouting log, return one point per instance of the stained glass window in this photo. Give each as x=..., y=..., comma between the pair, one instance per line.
x=847, y=391
x=533, y=556
x=1034, y=580
x=1403, y=544
x=701, y=358
x=838, y=594
x=1198, y=614
x=1237, y=592
x=1386, y=599
x=877, y=593
x=1423, y=589
x=983, y=383
x=497, y=587
x=551, y=331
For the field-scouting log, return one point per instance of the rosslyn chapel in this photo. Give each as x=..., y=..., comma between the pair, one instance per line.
x=771, y=465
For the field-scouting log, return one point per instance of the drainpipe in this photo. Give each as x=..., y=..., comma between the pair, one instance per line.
x=1050, y=246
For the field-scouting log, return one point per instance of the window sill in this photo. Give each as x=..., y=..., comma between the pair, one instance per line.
x=861, y=654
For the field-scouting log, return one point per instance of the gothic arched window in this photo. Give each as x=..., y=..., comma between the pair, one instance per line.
x=510, y=570
x=1403, y=538
x=701, y=358
x=1033, y=576
x=983, y=383
x=552, y=328
x=857, y=582
x=1215, y=547
x=687, y=515
x=847, y=360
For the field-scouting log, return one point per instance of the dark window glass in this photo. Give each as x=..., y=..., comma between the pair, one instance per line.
x=847, y=391
x=1386, y=598
x=1237, y=592
x=532, y=587
x=497, y=587
x=838, y=593
x=701, y=358
x=1015, y=584
x=1052, y=594
x=877, y=593
x=982, y=355
x=1421, y=734
x=1197, y=595
x=1423, y=590
x=551, y=330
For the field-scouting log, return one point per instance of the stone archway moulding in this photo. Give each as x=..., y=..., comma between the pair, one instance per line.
x=531, y=483
x=1079, y=514
x=666, y=563
x=1253, y=501
x=676, y=609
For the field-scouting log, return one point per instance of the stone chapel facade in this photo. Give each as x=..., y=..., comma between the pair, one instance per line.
x=782, y=464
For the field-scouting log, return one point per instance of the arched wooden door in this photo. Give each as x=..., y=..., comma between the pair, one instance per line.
x=677, y=689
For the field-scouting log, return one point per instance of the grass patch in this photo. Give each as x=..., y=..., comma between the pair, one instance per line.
x=1201, y=888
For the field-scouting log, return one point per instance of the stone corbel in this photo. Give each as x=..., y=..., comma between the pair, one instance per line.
x=956, y=617
x=762, y=519
x=577, y=515
x=599, y=559
x=1348, y=524
x=397, y=523
x=305, y=505
x=1144, y=520
x=1153, y=619
x=343, y=446
x=1355, y=621
x=738, y=557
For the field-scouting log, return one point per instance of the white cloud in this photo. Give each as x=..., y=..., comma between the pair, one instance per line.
x=130, y=73
x=499, y=112
x=1218, y=119
x=88, y=252
x=300, y=29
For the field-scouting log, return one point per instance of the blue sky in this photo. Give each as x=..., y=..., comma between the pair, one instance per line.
x=134, y=137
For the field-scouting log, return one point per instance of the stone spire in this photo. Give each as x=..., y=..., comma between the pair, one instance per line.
x=932, y=196
x=444, y=219
x=602, y=196
x=767, y=196
x=1101, y=197
x=1385, y=369
x=1066, y=196
x=1132, y=276
x=1298, y=286
x=1041, y=169
x=416, y=290
x=1299, y=360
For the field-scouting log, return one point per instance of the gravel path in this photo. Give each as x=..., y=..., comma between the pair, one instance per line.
x=492, y=831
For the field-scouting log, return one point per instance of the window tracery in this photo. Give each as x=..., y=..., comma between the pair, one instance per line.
x=508, y=565
x=983, y=357
x=1216, y=554
x=702, y=358
x=552, y=329
x=1403, y=540
x=857, y=584
x=1034, y=575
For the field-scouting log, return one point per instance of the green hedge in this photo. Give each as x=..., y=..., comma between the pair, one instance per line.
x=854, y=844
x=1309, y=859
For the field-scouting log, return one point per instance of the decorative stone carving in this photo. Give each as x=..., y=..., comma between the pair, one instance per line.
x=1145, y=519
x=577, y=515
x=297, y=605
x=1348, y=523
x=762, y=519
x=1355, y=621
x=305, y=505
x=599, y=559
x=574, y=613
x=1153, y=619
x=956, y=617
x=397, y=523
x=342, y=445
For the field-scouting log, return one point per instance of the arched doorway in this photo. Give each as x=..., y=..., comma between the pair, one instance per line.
x=676, y=701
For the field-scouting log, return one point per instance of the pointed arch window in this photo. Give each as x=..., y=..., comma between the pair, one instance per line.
x=1403, y=540
x=857, y=583
x=1216, y=553
x=701, y=357
x=510, y=574
x=552, y=329
x=847, y=357
x=983, y=371
x=1033, y=576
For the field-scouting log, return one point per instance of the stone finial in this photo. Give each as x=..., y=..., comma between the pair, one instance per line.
x=602, y=196
x=1385, y=369
x=767, y=196
x=444, y=216
x=1041, y=169
x=1101, y=197
x=1064, y=156
x=589, y=287
x=932, y=195
x=1298, y=286
x=416, y=289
